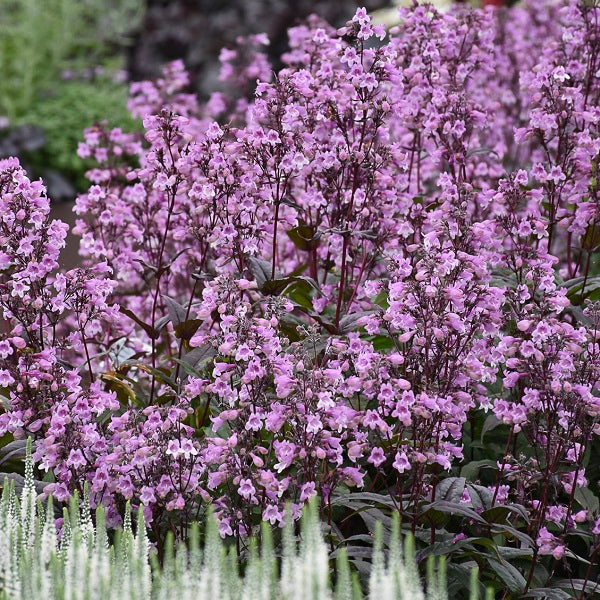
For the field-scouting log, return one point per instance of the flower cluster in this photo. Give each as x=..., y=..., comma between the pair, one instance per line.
x=322, y=286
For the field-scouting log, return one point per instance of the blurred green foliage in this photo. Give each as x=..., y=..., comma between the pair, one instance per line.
x=61, y=69
x=65, y=112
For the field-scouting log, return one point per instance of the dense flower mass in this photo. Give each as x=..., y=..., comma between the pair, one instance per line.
x=326, y=286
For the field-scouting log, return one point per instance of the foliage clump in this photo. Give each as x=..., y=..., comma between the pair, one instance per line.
x=62, y=69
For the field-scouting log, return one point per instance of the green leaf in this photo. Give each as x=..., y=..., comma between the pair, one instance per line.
x=186, y=329
x=481, y=497
x=511, y=553
x=497, y=514
x=591, y=238
x=454, y=508
x=368, y=498
x=365, y=234
x=571, y=283
x=157, y=373
x=485, y=542
x=177, y=312
x=435, y=517
x=578, y=584
x=374, y=518
x=149, y=329
x=450, y=489
x=15, y=450
x=160, y=323
x=123, y=390
x=482, y=151
x=328, y=326
x=548, y=594
x=587, y=499
x=579, y=292
x=196, y=357
x=509, y=574
x=577, y=312
x=381, y=342
x=490, y=423
x=348, y=322
x=446, y=547
x=275, y=287
x=304, y=237
x=512, y=532
x=504, y=280
x=520, y=510
x=471, y=470
x=261, y=270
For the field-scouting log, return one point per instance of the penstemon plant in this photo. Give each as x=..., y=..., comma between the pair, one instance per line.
x=337, y=288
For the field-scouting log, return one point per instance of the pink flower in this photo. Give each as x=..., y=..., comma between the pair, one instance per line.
x=173, y=448
x=147, y=495
x=6, y=378
x=187, y=448
x=401, y=462
x=76, y=458
x=246, y=489
x=272, y=514
x=224, y=528
x=377, y=457
x=307, y=491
